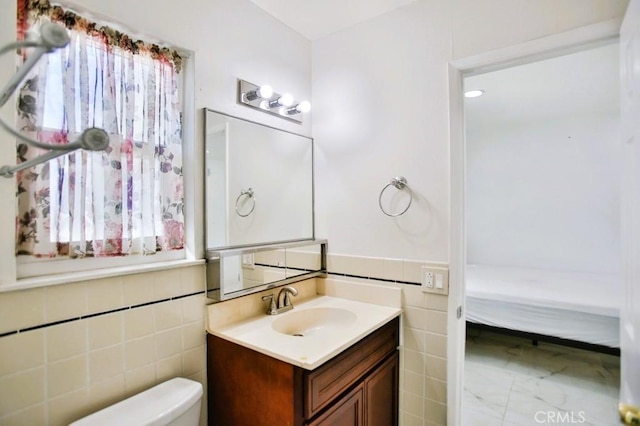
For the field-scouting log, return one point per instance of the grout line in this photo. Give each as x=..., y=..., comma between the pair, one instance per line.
x=373, y=278
x=97, y=314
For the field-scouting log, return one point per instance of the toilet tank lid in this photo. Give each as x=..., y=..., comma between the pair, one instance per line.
x=156, y=406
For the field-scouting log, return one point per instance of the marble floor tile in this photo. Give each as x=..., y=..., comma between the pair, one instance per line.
x=534, y=401
x=486, y=390
x=510, y=382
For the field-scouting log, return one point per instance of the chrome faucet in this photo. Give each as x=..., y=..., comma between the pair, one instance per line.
x=282, y=303
x=286, y=305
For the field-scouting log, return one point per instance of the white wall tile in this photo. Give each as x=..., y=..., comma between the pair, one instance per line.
x=436, y=367
x=104, y=295
x=138, y=289
x=21, y=309
x=194, y=360
x=139, y=379
x=65, y=301
x=415, y=317
x=22, y=352
x=69, y=407
x=138, y=322
x=168, y=343
x=105, y=363
x=413, y=383
x=193, y=308
x=66, y=340
x=193, y=335
x=139, y=352
x=436, y=322
x=107, y=392
x=22, y=390
x=168, y=314
x=414, y=361
x=169, y=367
x=34, y=415
x=436, y=390
x=105, y=330
x=66, y=376
x=392, y=269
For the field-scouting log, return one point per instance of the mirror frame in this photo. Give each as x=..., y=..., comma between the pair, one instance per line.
x=258, y=243
x=215, y=292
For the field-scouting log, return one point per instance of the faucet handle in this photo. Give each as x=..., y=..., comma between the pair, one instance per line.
x=271, y=310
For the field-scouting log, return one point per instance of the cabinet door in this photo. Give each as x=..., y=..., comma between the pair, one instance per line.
x=381, y=394
x=348, y=411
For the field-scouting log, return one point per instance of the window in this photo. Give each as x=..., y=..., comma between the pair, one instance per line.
x=127, y=200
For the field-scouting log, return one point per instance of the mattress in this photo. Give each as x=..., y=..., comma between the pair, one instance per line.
x=569, y=305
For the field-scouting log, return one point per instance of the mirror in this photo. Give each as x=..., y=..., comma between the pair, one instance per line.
x=258, y=182
x=237, y=272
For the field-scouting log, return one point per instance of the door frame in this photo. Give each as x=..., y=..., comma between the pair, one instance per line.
x=539, y=49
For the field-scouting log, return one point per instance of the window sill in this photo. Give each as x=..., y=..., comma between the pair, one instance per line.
x=67, y=278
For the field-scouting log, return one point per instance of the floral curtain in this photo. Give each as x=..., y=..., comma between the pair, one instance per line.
x=127, y=199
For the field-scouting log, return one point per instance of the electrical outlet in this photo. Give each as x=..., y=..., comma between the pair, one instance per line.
x=428, y=279
x=435, y=280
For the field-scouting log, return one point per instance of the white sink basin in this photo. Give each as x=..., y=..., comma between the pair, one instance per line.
x=328, y=326
x=307, y=322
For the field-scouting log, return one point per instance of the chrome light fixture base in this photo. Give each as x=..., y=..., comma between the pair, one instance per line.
x=248, y=96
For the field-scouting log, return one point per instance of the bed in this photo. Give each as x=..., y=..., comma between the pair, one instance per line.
x=569, y=307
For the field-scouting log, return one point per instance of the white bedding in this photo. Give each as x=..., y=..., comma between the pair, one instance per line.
x=569, y=305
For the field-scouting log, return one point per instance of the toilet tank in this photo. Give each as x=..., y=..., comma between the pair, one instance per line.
x=175, y=402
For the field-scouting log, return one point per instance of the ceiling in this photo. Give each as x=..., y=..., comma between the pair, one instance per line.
x=578, y=83
x=315, y=19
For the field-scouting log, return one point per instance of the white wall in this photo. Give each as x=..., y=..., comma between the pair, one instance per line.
x=545, y=194
x=381, y=109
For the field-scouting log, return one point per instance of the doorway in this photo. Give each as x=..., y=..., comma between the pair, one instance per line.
x=543, y=287
x=595, y=37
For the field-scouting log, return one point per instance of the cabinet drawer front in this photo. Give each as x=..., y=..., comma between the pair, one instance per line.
x=325, y=383
x=347, y=411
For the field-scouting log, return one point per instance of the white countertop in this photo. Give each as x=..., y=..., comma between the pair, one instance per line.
x=311, y=351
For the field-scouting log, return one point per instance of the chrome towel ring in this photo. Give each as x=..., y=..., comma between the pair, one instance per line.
x=249, y=194
x=399, y=182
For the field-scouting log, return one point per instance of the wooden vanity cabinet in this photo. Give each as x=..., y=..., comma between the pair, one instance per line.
x=358, y=387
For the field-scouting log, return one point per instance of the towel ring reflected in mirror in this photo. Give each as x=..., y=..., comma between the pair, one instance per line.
x=249, y=194
x=400, y=183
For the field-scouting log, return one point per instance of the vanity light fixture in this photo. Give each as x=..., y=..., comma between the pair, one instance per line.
x=473, y=93
x=264, y=99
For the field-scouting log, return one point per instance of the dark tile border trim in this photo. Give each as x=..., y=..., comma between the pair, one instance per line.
x=97, y=314
x=340, y=274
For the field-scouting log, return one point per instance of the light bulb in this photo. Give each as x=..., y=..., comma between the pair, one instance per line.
x=286, y=100
x=264, y=105
x=265, y=91
x=304, y=106
x=473, y=93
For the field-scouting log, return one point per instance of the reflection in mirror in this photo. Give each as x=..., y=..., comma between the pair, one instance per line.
x=259, y=183
x=237, y=272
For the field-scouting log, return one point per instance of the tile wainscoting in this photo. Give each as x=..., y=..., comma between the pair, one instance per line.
x=423, y=382
x=72, y=349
